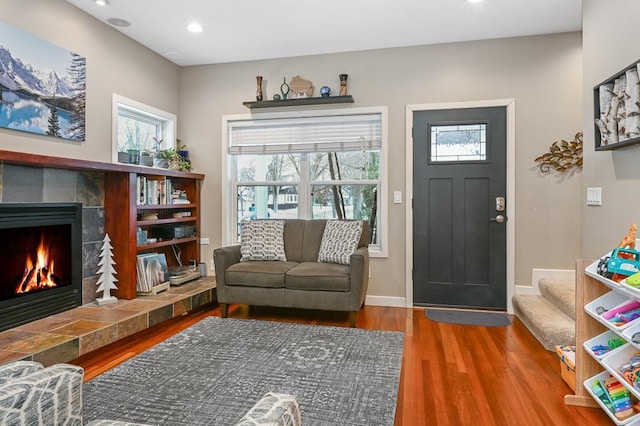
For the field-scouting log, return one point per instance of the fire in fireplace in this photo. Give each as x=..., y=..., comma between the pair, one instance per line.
x=40, y=256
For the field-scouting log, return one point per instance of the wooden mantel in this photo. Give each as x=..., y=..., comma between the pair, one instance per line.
x=36, y=160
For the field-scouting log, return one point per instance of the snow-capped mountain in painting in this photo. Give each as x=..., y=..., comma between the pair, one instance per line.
x=15, y=75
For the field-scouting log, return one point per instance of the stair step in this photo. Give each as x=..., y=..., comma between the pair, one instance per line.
x=545, y=321
x=561, y=293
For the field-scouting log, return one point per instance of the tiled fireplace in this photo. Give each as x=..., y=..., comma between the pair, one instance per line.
x=40, y=260
x=22, y=184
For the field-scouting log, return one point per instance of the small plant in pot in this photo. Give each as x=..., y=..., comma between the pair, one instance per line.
x=146, y=158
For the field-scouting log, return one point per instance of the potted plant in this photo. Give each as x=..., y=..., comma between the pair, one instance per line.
x=146, y=158
x=134, y=143
x=163, y=157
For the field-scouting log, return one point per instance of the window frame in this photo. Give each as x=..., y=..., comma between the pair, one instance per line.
x=147, y=114
x=227, y=169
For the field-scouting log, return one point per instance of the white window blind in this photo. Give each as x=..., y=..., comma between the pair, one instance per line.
x=306, y=134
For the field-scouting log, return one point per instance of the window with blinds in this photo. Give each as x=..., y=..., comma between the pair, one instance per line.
x=315, y=166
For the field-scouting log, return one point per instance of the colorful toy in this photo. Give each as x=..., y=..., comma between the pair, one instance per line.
x=624, y=262
x=623, y=314
x=634, y=280
x=616, y=267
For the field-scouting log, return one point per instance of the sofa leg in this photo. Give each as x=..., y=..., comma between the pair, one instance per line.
x=223, y=310
x=353, y=318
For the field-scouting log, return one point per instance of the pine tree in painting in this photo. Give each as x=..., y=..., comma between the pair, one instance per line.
x=78, y=78
x=54, y=122
x=107, y=272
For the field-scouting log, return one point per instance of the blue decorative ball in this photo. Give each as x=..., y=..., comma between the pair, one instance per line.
x=325, y=91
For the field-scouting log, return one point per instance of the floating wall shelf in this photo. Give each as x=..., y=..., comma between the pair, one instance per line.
x=299, y=102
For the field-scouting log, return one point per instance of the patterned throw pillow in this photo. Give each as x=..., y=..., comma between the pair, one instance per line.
x=339, y=241
x=262, y=239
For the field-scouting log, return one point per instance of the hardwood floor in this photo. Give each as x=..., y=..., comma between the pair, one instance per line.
x=451, y=374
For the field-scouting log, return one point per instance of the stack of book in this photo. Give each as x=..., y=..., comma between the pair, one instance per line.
x=153, y=273
x=153, y=191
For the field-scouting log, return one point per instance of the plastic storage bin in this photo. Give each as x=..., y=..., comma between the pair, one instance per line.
x=610, y=301
x=603, y=340
x=602, y=377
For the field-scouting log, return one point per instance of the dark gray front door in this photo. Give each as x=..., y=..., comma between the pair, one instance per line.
x=459, y=208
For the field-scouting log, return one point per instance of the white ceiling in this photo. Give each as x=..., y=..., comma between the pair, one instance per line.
x=243, y=30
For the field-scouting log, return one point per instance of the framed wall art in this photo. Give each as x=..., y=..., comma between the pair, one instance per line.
x=42, y=86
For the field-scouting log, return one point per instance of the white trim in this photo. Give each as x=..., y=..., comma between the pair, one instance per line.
x=395, y=302
x=510, y=104
x=170, y=121
x=227, y=235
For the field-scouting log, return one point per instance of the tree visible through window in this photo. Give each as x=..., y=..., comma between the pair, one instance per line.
x=283, y=179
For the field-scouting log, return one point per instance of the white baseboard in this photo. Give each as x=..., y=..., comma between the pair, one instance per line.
x=396, y=302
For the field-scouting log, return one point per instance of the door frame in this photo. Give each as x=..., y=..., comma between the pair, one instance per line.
x=510, y=105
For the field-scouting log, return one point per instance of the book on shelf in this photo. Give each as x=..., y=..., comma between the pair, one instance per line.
x=152, y=270
x=153, y=191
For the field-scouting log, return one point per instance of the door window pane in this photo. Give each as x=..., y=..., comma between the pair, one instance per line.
x=453, y=143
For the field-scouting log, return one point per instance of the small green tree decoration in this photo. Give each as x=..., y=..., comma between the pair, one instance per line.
x=107, y=273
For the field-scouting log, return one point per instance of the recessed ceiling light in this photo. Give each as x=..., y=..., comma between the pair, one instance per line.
x=117, y=22
x=474, y=1
x=194, y=27
x=102, y=2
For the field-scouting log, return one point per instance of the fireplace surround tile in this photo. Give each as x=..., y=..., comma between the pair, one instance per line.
x=45, y=324
x=68, y=335
x=98, y=338
x=133, y=325
x=58, y=185
x=22, y=184
x=58, y=353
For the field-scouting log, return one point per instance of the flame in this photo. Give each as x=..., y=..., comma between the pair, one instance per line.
x=38, y=275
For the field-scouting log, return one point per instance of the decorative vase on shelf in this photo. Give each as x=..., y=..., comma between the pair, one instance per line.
x=259, y=89
x=325, y=91
x=343, y=84
x=284, y=89
x=134, y=156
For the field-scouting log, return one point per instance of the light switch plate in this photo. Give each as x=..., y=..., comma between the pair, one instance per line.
x=397, y=197
x=594, y=196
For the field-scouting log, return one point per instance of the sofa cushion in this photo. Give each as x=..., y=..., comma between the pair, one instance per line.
x=318, y=276
x=262, y=239
x=258, y=274
x=339, y=241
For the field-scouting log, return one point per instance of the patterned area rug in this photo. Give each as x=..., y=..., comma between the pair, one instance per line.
x=453, y=316
x=214, y=371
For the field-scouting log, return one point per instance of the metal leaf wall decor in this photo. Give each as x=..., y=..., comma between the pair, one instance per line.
x=562, y=156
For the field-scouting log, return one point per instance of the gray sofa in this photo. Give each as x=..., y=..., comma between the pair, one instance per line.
x=300, y=281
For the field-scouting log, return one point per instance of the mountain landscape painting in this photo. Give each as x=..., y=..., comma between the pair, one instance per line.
x=42, y=86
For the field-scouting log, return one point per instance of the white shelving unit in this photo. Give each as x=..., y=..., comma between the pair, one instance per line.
x=619, y=294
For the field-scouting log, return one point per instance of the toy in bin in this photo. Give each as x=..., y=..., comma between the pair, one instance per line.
x=614, y=396
x=624, y=260
x=623, y=314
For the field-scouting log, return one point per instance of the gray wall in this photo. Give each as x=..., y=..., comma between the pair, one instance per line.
x=115, y=64
x=543, y=74
x=611, y=35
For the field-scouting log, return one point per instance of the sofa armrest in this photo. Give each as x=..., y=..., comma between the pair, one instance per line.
x=359, y=273
x=274, y=409
x=224, y=257
x=15, y=370
x=53, y=393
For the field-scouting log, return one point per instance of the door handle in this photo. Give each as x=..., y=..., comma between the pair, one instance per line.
x=499, y=218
